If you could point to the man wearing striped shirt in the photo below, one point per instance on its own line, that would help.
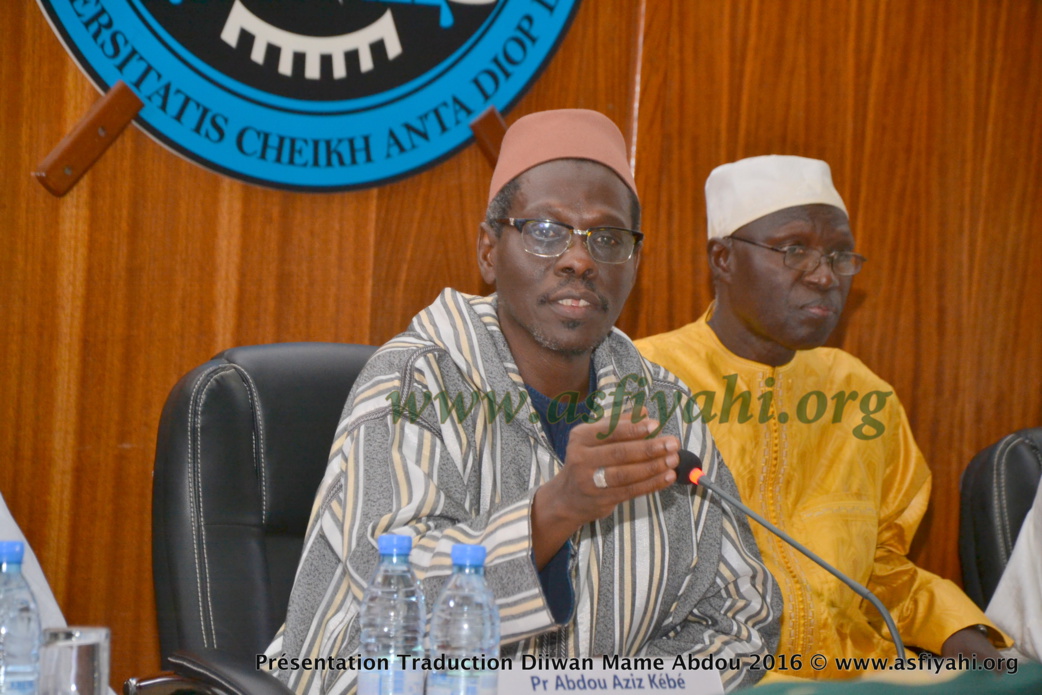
(496, 420)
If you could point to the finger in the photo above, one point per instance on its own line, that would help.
(608, 430)
(637, 451)
(635, 473)
(610, 420)
(645, 487)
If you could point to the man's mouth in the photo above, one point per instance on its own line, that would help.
(820, 310)
(576, 304)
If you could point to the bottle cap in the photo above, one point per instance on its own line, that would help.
(12, 551)
(468, 555)
(394, 544)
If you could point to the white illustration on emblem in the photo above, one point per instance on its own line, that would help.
(313, 47)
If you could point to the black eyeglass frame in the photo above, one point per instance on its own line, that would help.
(831, 257)
(519, 223)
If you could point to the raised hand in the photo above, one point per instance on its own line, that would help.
(603, 467)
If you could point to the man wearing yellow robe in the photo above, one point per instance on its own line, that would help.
(817, 443)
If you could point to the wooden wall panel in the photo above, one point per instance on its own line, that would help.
(928, 111)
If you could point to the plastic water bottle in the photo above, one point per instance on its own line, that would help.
(392, 617)
(465, 629)
(19, 625)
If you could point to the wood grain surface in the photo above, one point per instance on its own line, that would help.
(930, 113)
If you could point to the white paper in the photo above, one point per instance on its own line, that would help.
(600, 681)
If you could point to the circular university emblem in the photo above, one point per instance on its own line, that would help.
(314, 95)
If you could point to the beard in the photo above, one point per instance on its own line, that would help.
(561, 347)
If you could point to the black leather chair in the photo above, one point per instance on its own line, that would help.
(997, 489)
(243, 443)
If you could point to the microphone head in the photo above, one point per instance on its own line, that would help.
(689, 469)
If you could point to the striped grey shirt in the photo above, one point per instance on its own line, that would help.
(438, 441)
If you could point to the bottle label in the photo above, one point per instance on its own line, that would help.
(390, 682)
(462, 683)
(22, 686)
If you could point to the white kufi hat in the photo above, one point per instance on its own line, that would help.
(746, 190)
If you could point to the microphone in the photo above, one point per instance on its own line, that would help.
(690, 471)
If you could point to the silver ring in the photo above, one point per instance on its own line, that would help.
(598, 478)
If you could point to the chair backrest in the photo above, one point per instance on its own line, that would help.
(997, 489)
(243, 444)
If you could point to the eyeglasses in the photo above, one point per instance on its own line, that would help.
(549, 239)
(806, 259)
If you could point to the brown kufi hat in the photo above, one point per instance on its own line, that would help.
(561, 134)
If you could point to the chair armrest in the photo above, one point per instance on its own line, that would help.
(209, 672)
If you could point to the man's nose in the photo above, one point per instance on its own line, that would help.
(576, 259)
(823, 276)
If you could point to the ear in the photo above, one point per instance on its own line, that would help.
(721, 260)
(487, 242)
